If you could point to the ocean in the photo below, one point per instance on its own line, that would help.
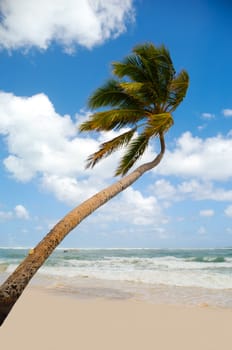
(173, 276)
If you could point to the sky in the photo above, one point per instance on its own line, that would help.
(53, 55)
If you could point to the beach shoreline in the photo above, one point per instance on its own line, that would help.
(45, 319)
(160, 276)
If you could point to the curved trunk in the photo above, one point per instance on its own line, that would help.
(13, 287)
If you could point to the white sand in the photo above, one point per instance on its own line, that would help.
(43, 321)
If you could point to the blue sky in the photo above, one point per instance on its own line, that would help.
(52, 56)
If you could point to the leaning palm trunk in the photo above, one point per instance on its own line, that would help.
(13, 287)
(143, 103)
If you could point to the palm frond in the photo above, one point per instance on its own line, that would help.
(135, 150)
(144, 92)
(110, 94)
(112, 119)
(158, 123)
(113, 94)
(151, 66)
(177, 90)
(131, 87)
(155, 57)
(130, 67)
(109, 147)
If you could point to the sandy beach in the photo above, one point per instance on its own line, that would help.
(43, 320)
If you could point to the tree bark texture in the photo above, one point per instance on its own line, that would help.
(15, 284)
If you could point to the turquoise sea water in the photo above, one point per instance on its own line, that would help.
(190, 276)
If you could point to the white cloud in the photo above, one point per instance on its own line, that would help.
(228, 211)
(207, 212)
(39, 140)
(203, 190)
(208, 116)
(139, 209)
(192, 189)
(132, 207)
(227, 112)
(21, 212)
(28, 23)
(69, 189)
(208, 159)
(5, 215)
(164, 190)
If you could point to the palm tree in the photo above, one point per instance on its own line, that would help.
(141, 98)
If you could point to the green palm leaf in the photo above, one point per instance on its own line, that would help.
(113, 119)
(159, 123)
(135, 151)
(111, 94)
(131, 67)
(177, 90)
(111, 146)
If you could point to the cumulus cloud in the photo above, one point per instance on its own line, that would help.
(33, 23)
(203, 190)
(138, 208)
(21, 212)
(165, 192)
(70, 190)
(192, 189)
(39, 140)
(163, 189)
(133, 207)
(207, 212)
(208, 159)
(227, 112)
(208, 116)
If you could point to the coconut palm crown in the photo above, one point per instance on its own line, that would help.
(141, 98)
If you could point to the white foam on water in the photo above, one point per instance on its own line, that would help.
(169, 271)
